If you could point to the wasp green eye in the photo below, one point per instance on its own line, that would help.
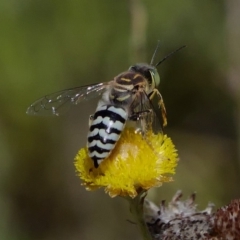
(155, 77)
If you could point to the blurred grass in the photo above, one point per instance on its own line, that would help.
(46, 46)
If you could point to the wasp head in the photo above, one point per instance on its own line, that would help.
(149, 72)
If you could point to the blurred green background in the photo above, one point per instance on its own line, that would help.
(46, 46)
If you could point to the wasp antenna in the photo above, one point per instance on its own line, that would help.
(170, 54)
(154, 54)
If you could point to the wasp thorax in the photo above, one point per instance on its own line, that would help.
(126, 86)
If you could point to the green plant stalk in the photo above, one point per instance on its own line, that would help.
(136, 208)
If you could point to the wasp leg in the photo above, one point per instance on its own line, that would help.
(160, 104)
(143, 121)
(90, 120)
(137, 115)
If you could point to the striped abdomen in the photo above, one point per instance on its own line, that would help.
(105, 130)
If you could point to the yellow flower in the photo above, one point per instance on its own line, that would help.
(137, 163)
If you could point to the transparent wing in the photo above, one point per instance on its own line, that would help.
(145, 115)
(57, 103)
(148, 120)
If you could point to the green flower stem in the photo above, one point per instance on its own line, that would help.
(136, 208)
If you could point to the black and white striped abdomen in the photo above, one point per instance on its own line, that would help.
(105, 130)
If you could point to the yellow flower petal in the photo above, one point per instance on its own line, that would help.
(136, 163)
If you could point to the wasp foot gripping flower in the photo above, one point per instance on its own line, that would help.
(137, 163)
(180, 220)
